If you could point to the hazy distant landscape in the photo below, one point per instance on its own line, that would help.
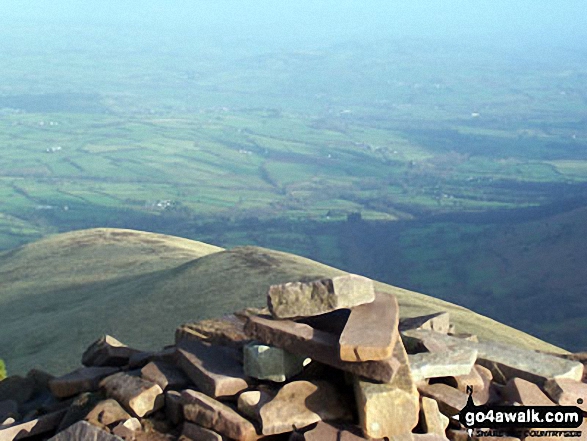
(455, 169)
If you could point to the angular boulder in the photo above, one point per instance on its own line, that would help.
(213, 369)
(107, 351)
(450, 400)
(432, 420)
(301, 403)
(107, 412)
(304, 299)
(85, 379)
(265, 362)
(211, 414)
(455, 361)
(250, 403)
(518, 390)
(388, 409)
(127, 429)
(567, 392)
(139, 397)
(164, 374)
(302, 339)
(371, 330)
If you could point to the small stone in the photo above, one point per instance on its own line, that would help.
(371, 330)
(107, 351)
(7, 422)
(392, 409)
(455, 361)
(439, 322)
(567, 392)
(37, 426)
(450, 400)
(138, 396)
(213, 369)
(250, 403)
(107, 412)
(126, 429)
(301, 339)
(304, 299)
(86, 379)
(212, 414)
(173, 407)
(432, 420)
(270, 363)
(301, 403)
(198, 433)
(165, 375)
(84, 431)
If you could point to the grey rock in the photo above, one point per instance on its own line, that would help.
(304, 299)
(455, 361)
(506, 362)
(270, 363)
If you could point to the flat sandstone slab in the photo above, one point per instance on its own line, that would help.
(213, 369)
(301, 403)
(506, 362)
(371, 330)
(212, 414)
(305, 299)
(86, 379)
(454, 361)
(302, 339)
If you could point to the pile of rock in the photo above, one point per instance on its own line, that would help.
(328, 360)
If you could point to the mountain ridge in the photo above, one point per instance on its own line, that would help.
(160, 282)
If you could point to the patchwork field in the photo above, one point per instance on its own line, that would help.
(417, 164)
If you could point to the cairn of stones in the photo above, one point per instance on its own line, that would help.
(327, 360)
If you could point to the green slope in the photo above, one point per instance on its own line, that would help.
(59, 294)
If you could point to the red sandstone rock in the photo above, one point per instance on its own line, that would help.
(302, 339)
(86, 379)
(371, 330)
(212, 414)
(212, 369)
(138, 396)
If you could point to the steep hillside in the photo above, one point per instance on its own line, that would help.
(60, 293)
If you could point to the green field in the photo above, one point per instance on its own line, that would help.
(349, 154)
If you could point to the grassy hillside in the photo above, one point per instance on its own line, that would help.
(59, 294)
